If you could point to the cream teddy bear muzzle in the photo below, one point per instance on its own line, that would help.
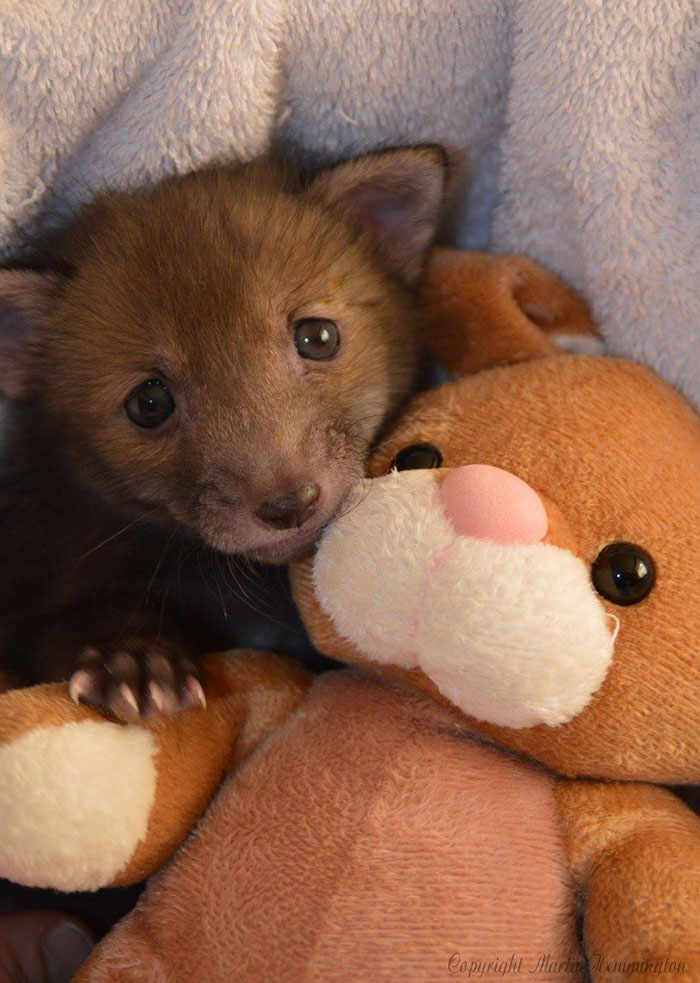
(508, 627)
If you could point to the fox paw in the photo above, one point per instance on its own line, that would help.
(138, 681)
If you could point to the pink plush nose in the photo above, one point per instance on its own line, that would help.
(489, 503)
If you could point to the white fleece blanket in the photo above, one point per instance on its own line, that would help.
(579, 122)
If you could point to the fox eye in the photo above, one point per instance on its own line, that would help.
(416, 457)
(316, 338)
(150, 404)
(623, 573)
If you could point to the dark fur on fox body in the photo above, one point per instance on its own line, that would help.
(117, 543)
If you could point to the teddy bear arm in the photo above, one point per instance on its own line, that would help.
(250, 693)
(86, 802)
(634, 852)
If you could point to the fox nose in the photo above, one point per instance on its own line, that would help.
(292, 509)
(493, 504)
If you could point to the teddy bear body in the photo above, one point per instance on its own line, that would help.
(375, 839)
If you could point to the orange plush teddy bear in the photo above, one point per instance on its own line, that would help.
(517, 583)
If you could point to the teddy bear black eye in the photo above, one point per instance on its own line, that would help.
(150, 404)
(623, 573)
(416, 457)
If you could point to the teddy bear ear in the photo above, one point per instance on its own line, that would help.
(487, 310)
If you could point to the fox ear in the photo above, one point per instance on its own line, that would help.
(24, 300)
(395, 197)
(488, 310)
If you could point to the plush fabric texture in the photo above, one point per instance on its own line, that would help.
(486, 310)
(87, 803)
(80, 840)
(573, 126)
(637, 849)
(370, 838)
(511, 633)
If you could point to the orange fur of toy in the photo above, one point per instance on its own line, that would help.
(497, 310)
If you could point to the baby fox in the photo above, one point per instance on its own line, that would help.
(198, 372)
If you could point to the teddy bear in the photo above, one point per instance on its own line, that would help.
(479, 793)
